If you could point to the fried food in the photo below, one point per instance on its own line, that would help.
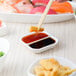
(51, 67)
(51, 63)
(35, 29)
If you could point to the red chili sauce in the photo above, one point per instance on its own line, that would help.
(33, 37)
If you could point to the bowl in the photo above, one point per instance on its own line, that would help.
(4, 47)
(63, 61)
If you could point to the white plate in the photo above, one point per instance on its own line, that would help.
(62, 61)
(33, 18)
(4, 46)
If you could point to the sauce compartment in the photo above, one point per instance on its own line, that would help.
(39, 42)
(33, 37)
(42, 43)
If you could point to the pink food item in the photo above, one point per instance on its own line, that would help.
(0, 23)
(23, 7)
(40, 2)
(6, 8)
(40, 10)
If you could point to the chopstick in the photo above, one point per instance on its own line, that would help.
(44, 14)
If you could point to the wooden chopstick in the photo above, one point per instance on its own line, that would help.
(44, 14)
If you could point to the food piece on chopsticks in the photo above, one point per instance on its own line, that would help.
(45, 11)
(23, 7)
(6, 8)
(40, 10)
(64, 7)
(40, 2)
(51, 67)
(35, 29)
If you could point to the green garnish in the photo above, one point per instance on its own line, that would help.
(1, 53)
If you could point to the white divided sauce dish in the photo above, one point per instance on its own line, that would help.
(3, 29)
(4, 47)
(62, 61)
(41, 49)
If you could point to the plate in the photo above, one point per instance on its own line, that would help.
(61, 60)
(34, 18)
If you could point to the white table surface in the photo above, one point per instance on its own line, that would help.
(19, 58)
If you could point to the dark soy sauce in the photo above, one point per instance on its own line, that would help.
(42, 43)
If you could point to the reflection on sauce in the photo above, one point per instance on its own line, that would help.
(42, 43)
(33, 37)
